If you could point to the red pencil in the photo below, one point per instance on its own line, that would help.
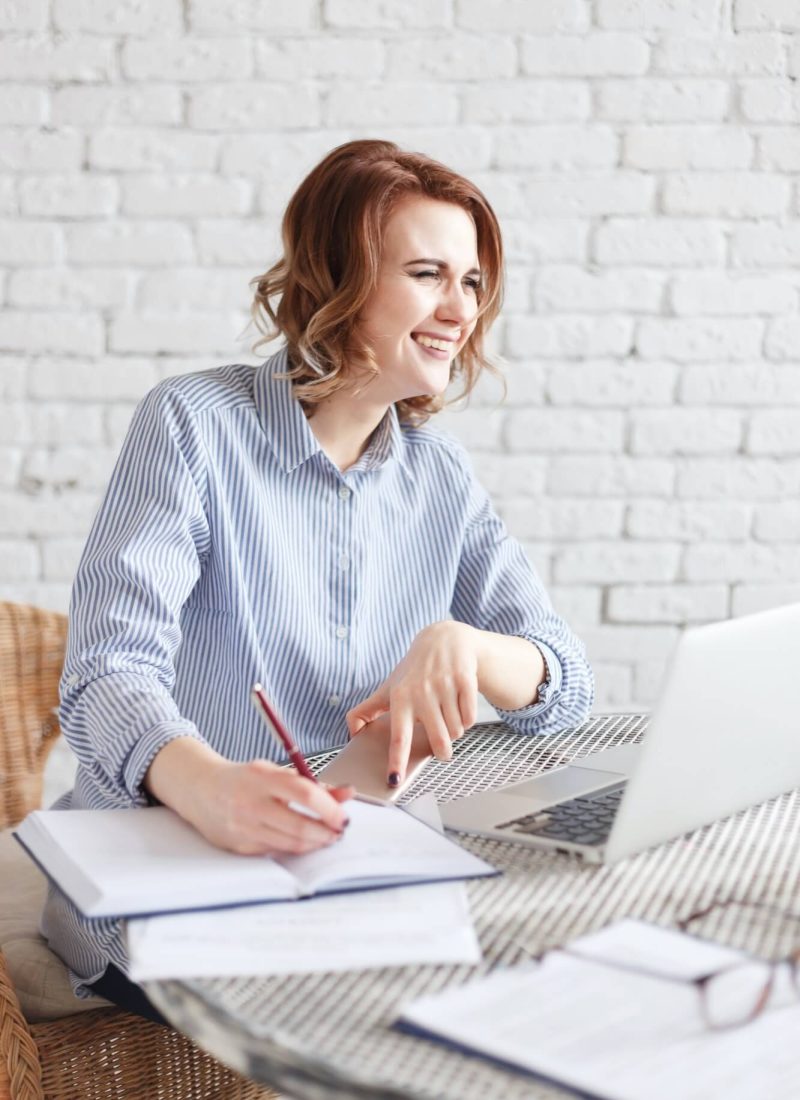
(264, 708)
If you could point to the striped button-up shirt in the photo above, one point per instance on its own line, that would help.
(230, 549)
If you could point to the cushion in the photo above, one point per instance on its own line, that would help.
(40, 978)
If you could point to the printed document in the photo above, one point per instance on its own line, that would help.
(618, 1033)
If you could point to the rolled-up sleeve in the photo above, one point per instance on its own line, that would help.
(141, 561)
(497, 589)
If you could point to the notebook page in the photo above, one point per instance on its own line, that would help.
(382, 844)
(637, 944)
(145, 861)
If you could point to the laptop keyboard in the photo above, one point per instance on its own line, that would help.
(584, 820)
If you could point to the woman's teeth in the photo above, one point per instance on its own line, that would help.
(429, 342)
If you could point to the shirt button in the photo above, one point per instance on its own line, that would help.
(345, 493)
(341, 631)
(334, 700)
(344, 561)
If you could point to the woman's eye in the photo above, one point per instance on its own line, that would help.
(471, 284)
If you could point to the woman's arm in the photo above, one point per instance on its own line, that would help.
(142, 560)
(497, 590)
(506, 642)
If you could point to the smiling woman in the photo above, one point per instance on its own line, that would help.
(301, 525)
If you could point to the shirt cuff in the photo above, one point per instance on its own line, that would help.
(548, 690)
(145, 750)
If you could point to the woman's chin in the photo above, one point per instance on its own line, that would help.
(432, 381)
(435, 381)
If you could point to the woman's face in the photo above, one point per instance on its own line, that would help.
(424, 307)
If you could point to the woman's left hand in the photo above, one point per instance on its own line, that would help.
(435, 684)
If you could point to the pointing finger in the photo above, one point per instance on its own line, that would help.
(402, 719)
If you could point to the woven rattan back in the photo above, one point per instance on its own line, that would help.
(32, 645)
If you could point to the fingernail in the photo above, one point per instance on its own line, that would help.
(346, 822)
(394, 779)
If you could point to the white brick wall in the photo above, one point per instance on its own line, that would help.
(643, 156)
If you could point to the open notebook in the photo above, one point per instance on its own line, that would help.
(117, 863)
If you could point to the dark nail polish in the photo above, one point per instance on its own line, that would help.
(346, 822)
(394, 779)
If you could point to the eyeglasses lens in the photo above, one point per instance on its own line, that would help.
(734, 996)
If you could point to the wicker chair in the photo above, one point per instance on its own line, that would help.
(102, 1054)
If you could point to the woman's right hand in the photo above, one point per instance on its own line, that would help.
(256, 808)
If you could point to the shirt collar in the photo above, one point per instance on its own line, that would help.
(289, 434)
(282, 417)
(386, 444)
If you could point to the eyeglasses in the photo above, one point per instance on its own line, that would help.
(736, 994)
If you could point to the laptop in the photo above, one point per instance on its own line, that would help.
(725, 734)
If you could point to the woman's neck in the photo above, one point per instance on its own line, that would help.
(343, 424)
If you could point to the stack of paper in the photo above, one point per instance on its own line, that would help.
(423, 924)
(397, 927)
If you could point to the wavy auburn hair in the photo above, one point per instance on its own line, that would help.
(332, 244)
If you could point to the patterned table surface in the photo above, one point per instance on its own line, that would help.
(330, 1035)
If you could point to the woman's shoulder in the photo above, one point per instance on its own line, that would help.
(436, 449)
(203, 391)
(435, 442)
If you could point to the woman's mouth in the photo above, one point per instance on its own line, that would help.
(437, 349)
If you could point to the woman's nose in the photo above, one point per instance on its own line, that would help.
(457, 304)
